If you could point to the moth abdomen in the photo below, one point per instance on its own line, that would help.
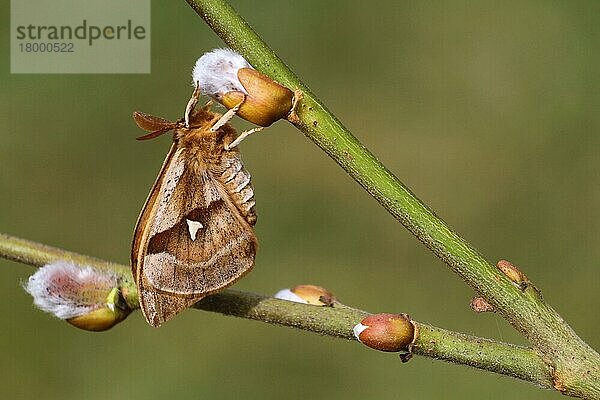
(237, 182)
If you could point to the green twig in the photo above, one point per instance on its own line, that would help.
(576, 367)
(337, 321)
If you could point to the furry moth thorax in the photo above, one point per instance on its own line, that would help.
(203, 147)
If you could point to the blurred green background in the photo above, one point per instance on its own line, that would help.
(489, 111)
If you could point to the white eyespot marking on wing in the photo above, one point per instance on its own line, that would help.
(193, 227)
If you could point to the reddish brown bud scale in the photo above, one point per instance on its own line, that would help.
(386, 332)
(308, 294)
(513, 273)
(315, 295)
(479, 304)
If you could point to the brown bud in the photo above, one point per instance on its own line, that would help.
(513, 273)
(479, 304)
(308, 294)
(315, 295)
(266, 102)
(386, 332)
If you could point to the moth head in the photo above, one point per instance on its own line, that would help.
(204, 117)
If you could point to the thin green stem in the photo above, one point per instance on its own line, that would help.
(576, 366)
(441, 344)
(337, 321)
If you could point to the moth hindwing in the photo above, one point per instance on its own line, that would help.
(194, 235)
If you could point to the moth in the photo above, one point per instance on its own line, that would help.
(194, 235)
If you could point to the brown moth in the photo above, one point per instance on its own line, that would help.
(194, 235)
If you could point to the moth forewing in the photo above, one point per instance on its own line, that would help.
(142, 225)
(155, 307)
(194, 234)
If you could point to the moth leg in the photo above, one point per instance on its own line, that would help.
(226, 117)
(242, 136)
(192, 102)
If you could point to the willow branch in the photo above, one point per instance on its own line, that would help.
(338, 321)
(576, 366)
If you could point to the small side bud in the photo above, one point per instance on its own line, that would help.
(307, 294)
(479, 304)
(86, 297)
(315, 295)
(227, 77)
(386, 332)
(513, 273)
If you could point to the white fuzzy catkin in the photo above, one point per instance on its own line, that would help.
(68, 290)
(287, 294)
(216, 72)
